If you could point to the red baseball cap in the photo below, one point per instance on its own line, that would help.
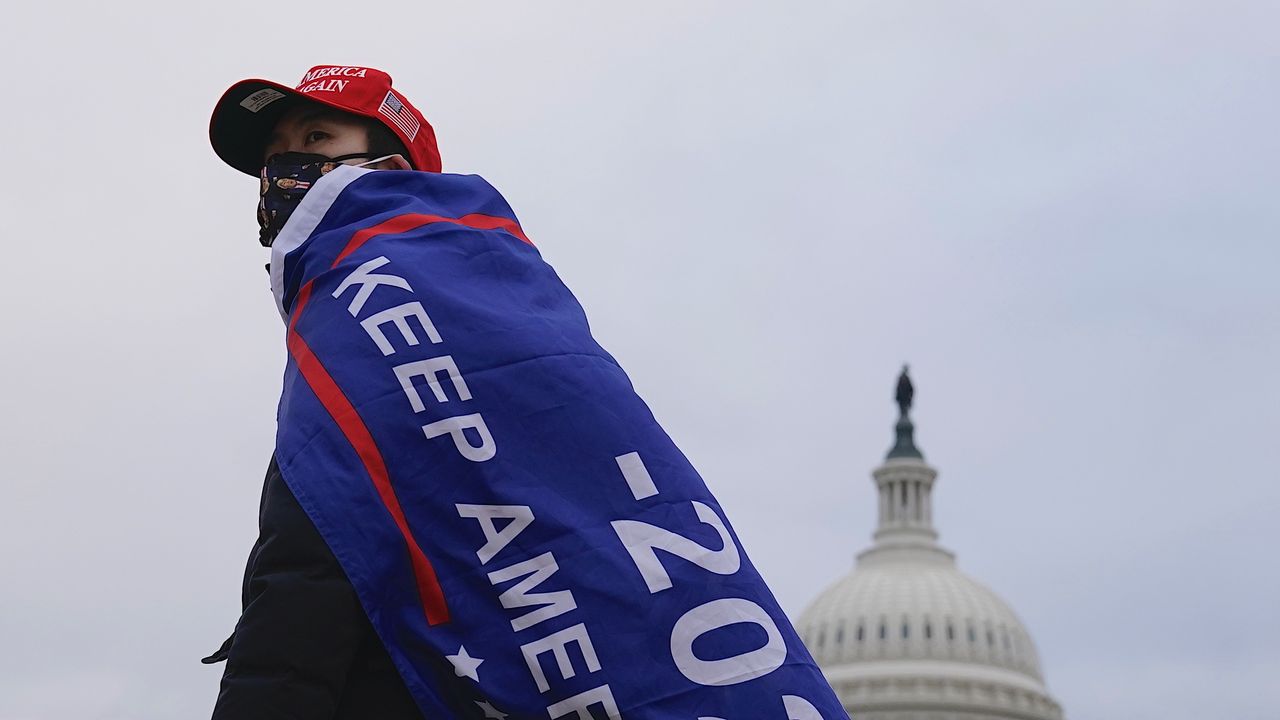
(247, 113)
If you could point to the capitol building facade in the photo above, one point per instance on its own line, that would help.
(906, 635)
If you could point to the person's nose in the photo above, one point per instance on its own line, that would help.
(284, 145)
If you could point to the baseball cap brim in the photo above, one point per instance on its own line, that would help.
(244, 118)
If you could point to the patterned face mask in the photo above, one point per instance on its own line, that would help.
(285, 179)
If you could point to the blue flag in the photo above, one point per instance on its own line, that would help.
(525, 538)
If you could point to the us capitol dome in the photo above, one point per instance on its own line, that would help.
(906, 635)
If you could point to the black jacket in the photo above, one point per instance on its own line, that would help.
(303, 649)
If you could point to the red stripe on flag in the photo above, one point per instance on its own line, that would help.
(409, 221)
(353, 427)
(402, 119)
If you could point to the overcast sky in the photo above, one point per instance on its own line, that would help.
(1064, 217)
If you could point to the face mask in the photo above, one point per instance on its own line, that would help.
(285, 178)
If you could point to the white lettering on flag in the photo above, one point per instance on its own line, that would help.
(364, 277)
(580, 705)
(731, 670)
(557, 644)
(520, 516)
(430, 370)
(636, 475)
(643, 540)
(398, 315)
(800, 709)
(456, 427)
(537, 569)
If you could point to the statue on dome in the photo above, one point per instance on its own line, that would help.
(905, 392)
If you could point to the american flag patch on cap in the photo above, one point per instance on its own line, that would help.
(396, 112)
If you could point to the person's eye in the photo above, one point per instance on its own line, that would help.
(316, 136)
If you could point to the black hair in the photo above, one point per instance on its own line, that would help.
(384, 142)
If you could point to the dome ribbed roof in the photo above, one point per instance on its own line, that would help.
(924, 610)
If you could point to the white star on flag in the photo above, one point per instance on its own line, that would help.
(490, 711)
(464, 665)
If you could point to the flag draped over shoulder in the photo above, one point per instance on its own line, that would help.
(525, 538)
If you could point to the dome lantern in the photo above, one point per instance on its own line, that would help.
(905, 486)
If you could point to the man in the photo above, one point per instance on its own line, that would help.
(304, 647)
(465, 508)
